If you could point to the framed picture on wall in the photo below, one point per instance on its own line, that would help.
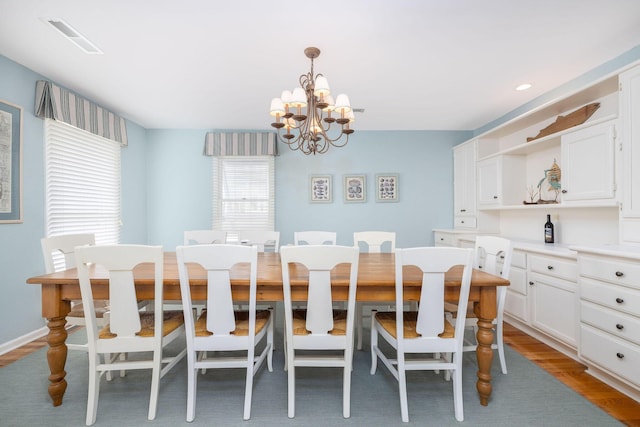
(10, 163)
(320, 189)
(354, 188)
(387, 187)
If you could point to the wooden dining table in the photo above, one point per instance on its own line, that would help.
(376, 282)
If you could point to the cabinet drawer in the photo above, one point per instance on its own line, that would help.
(465, 222)
(561, 268)
(616, 323)
(610, 353)
(612, 296)
(612, 270)
(443, 239)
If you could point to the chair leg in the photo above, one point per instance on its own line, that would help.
(500, 339)
(94, 392)
(291, 392)
(192, 382)
(402, 389)
(374, 343)
(248, 389)
(270, 343)
(457, 390)
(155, 384)
(346, 386)
(359, 315)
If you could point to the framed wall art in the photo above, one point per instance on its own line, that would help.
(387, 187)
(320, 189)
(355, 188)
(10, 163)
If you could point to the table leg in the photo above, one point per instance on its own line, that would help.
(484, 354)
(57, 357)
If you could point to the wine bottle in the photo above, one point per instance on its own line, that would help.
(548, 231)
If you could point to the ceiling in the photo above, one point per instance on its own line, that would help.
(410, 64)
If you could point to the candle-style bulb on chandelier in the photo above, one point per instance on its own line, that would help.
(307, 115)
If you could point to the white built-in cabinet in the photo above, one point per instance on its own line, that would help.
(630, 135)
(464, 185)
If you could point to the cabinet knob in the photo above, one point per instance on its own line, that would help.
(619, 300)
(620, 326)
(531, 283)
(442, 239)
(620, 355)
(619, 274)
(461, 222)
(463, 210)
(549, 267)
(495, 197)
(564, 191)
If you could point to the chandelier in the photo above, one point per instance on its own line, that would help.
(307, 114)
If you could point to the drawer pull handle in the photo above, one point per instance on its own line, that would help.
(531, 283)
(620, 355)
(620, 326)
(463, 210)
(619, 300)
(564, 191)
(549, 267)
(619, 274)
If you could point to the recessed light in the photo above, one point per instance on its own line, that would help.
(72, 35)
(523, 86)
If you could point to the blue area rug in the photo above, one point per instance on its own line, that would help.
(527, 396)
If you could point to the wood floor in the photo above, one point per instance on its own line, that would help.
(565, 369)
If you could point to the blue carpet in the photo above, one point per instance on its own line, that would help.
(526, 396)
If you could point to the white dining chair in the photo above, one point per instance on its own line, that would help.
(492, 254)
(219, 328)
(310, 333)
(204, 237)
(371, 242)
(266, 241)
(129, 330)
(424, 339)
(314, 238)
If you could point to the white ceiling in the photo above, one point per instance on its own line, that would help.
(411, 64)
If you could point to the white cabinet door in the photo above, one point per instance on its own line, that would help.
(554, 308)
(489, 188)
(464, 179)
(588, 164)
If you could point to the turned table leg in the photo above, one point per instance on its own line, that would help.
(57, 357)
(484, 354)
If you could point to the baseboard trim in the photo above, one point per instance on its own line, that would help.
(24, 339)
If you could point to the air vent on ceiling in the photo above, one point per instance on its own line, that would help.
(71, 34)
(358, 110)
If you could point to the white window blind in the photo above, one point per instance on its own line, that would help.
(244, 194)
(82, 183)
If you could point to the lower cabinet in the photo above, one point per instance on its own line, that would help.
(610, 315)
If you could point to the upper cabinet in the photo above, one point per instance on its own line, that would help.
(464, 180)
(630, 135)
(537, 162)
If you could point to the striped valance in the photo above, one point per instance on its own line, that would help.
(54, 102)
(240, 144)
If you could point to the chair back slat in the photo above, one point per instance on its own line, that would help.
(220, 316)
(125, 319)
(430, 321)
(320, 305)
(266, 241)
(205, 237)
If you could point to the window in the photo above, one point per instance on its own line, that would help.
(243, 194)
(82, 183)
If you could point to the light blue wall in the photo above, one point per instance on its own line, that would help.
(20, 253)
(179, 194)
